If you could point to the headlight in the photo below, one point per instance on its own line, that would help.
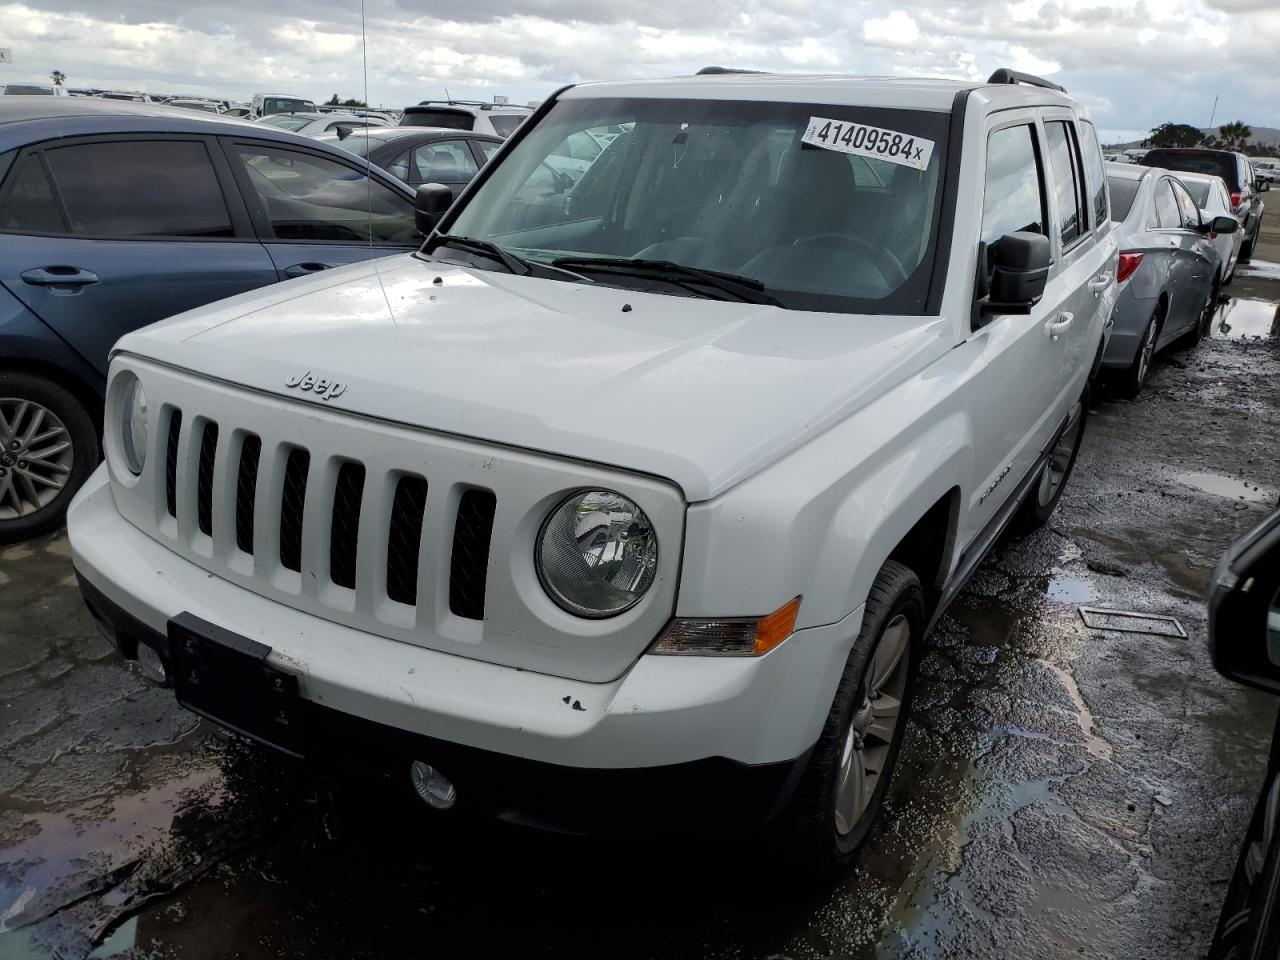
(597, 554)
(133, 434)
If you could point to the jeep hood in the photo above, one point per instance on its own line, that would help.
(701, 392)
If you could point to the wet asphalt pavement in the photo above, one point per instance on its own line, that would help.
(1064, 791)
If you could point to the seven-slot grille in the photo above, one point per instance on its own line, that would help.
(345, 510)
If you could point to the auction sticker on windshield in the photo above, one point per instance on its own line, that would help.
(867, 141)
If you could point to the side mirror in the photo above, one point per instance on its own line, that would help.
(429, 205)
(1019, 269)
(1244, 608)
(342, 130)
(1220, 225)
(1262, 185)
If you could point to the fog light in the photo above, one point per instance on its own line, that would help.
(152, 665)
(431, 786)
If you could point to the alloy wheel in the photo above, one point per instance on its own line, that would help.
(1148, 350)
(36, 457)
(874, 726)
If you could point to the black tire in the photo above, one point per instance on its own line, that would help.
(1130, 381)
(1205, 322)
(34, 518)
(1246, 248)
(810, 841)
(1042, 499)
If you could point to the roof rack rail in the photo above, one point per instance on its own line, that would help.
(482, 104)
(717, 71)
(1005, 75)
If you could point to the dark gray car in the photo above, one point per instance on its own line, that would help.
(1236, 171)
(1169, 272)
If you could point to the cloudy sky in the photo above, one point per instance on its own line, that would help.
(1135, 62)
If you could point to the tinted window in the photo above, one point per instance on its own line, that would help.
(444, 161)
(29, 205)
(1216, 164)
(1168, 216)
(1013, 199)
(140, 189)
(399, 167)
(504, 125)
(426, 117)
(1123, 190)
(1066, 180)
(1094, 172)
(315, 198)
(487, 149)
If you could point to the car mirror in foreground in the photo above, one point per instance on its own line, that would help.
(1244, 608)
(429, 205)
(1018, 267)
(1220, 225)
(1263, 186)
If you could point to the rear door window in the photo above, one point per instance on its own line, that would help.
(1064, 161)
(27, 203)
(449, 119)
(1168, 216)
(1095, 174)
(140, 188)
(1123, 190)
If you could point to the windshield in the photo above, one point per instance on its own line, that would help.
(287, 105)
(1123, 190)
(744, 188)
(1214, 164)
(452, 119)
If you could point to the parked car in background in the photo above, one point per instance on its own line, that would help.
(208, 106)
(128, 96)
(641, 516)
(311, 124)
(115, 215)
(236, 111)
(419, 155)
(499, 119)
(1135, 154)
(1236, 171)
(1214, 200)
(33, 90)
(265, 104)
(1169, 273)
(1115, 158)
(1244, 640)
(1266, 168)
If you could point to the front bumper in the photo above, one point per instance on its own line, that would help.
(703, 734)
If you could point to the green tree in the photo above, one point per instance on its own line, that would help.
(332, 101)
(1175, 135)
(58, 78)
(1235, 135)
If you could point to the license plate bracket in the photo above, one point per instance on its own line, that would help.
(226, 677)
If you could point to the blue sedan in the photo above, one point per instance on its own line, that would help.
(114, 215)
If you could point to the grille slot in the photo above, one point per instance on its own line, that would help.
(171, 463)
(246, 489)
(292, 499)
(404, 539)
(344, 532)
(469, 567)
(204, 478)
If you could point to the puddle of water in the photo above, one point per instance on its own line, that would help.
(1228, 487)
(1242, 317)
(1069, 589)
(1096, 745)
(1261, 269)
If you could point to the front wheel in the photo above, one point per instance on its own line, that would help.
(1131, 380)
(1042, 499)
(843, 786)
(48, 448)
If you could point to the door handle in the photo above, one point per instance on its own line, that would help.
(58, 277)
(304, 269)
(1058, 325)
(1100, 283)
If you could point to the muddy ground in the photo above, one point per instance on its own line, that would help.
(1064, 791)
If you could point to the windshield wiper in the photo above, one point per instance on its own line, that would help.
(485, 248)
(744, 289)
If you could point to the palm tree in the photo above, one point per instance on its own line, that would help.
(58, 78)
(1235, 134)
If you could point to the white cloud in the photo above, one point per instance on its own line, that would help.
(897, 29)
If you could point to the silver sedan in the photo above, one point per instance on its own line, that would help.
(1169, 273)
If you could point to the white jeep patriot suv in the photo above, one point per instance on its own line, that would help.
(632, 500)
